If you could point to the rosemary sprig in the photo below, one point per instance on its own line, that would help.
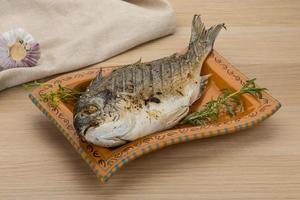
(63, 94)
(228, 101)
(36, 83)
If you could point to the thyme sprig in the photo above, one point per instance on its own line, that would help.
(227, 102)
(36, 83)
(63, 94)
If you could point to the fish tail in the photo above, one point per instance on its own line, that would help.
(202, 37)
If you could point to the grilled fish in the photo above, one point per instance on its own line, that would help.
(138, 99)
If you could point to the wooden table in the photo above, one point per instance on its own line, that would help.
(37, 162)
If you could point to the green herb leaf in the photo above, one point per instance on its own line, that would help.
(229, 101)
(63, 93)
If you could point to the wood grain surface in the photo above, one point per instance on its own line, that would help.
(263, 41)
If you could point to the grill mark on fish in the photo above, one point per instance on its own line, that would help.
(143, 78)
(123, 81)
(181, 69)
(177, 71)
(134, 70)
(161, 76)
(151, 77)
(113, 84)
(172, 73)
(171, 70)
(127, 81)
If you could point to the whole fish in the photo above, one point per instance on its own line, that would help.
(138, 99)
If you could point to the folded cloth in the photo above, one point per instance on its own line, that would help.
(73, 33)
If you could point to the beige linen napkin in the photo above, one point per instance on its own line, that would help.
(76, 33)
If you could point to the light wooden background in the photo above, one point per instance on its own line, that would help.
(263, 39)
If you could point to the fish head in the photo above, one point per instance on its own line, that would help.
(101, 122)
(91, 111)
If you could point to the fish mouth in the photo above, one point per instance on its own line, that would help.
(110, 134)
(96, 137)
(85, 130)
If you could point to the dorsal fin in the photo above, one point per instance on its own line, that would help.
(98, 79)
(137, 62)
(99, 76)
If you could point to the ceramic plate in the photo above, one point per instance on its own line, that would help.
(105, 162)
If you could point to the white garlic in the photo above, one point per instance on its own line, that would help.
(18, 49)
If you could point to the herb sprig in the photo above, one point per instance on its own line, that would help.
(53, 97)
(36, 83)
(227, 102)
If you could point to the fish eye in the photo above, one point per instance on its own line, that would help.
(91, 109)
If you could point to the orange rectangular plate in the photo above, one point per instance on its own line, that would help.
(105, 162)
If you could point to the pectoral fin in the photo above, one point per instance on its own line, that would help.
(203, 83)
(175, 116)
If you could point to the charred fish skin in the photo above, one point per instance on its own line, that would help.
(142, 98)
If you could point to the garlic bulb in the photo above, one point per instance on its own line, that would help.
(18, 49)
